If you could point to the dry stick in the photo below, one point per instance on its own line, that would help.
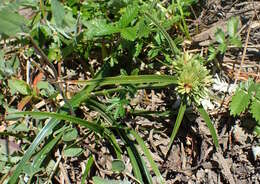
(45, 61)
(226, 169)
(244, 51)
(54, 170)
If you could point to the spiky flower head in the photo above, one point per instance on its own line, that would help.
(193, 78)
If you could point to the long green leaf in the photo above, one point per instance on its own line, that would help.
(87, 169)
(74, 102)
(148, 155)
(94, 127)
(40, 136)
(93, 104)
(173, 46)
(41, 156)
(210, 125)
(138, 165)
(133, 154)
(139, 79)
(11, 22)
(58, 12)
(177, 124)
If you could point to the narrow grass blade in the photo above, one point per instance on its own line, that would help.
(173, 47)
(74, 102)
(40, 136)
(185, 27)
(135, 79)
(139, 167)
(148, 155)
(87, 169)
(93, 104)
(210, 125)
(94, 127)
(177, 124)
(40, 156)
(132, 153)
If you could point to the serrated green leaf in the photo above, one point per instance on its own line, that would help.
(11, 22)
(255, 110)
(99, 27)
(129, 33)
(129, 15)
(257, 130)
(232, 26)
(58, 12)
(17, 85)
(222, 48)
(73, 151)
(240, 101)
(236, 41)
(220, 36)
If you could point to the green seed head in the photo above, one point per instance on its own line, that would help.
(193, 78)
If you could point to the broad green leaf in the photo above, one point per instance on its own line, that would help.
(118, 165)
(220, 36)
(99, 180)
(232, 26)
(255, 110)
(240, 101)
(17, 85)
(99, 27)
(210, 125)
(70, 134)
(129, 15)
(58, 12)
(177, 124)
(11, 22)
(46, 89)
(73, 151)
(129, 33)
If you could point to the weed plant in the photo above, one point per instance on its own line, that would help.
(124, 35)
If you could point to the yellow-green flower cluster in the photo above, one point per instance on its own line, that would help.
(193, 78)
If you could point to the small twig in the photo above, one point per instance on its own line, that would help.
(65, 174)
(45, 61)
(226, 169)
(54, 169)
(244, 51)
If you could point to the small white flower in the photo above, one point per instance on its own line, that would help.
(222, 86)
